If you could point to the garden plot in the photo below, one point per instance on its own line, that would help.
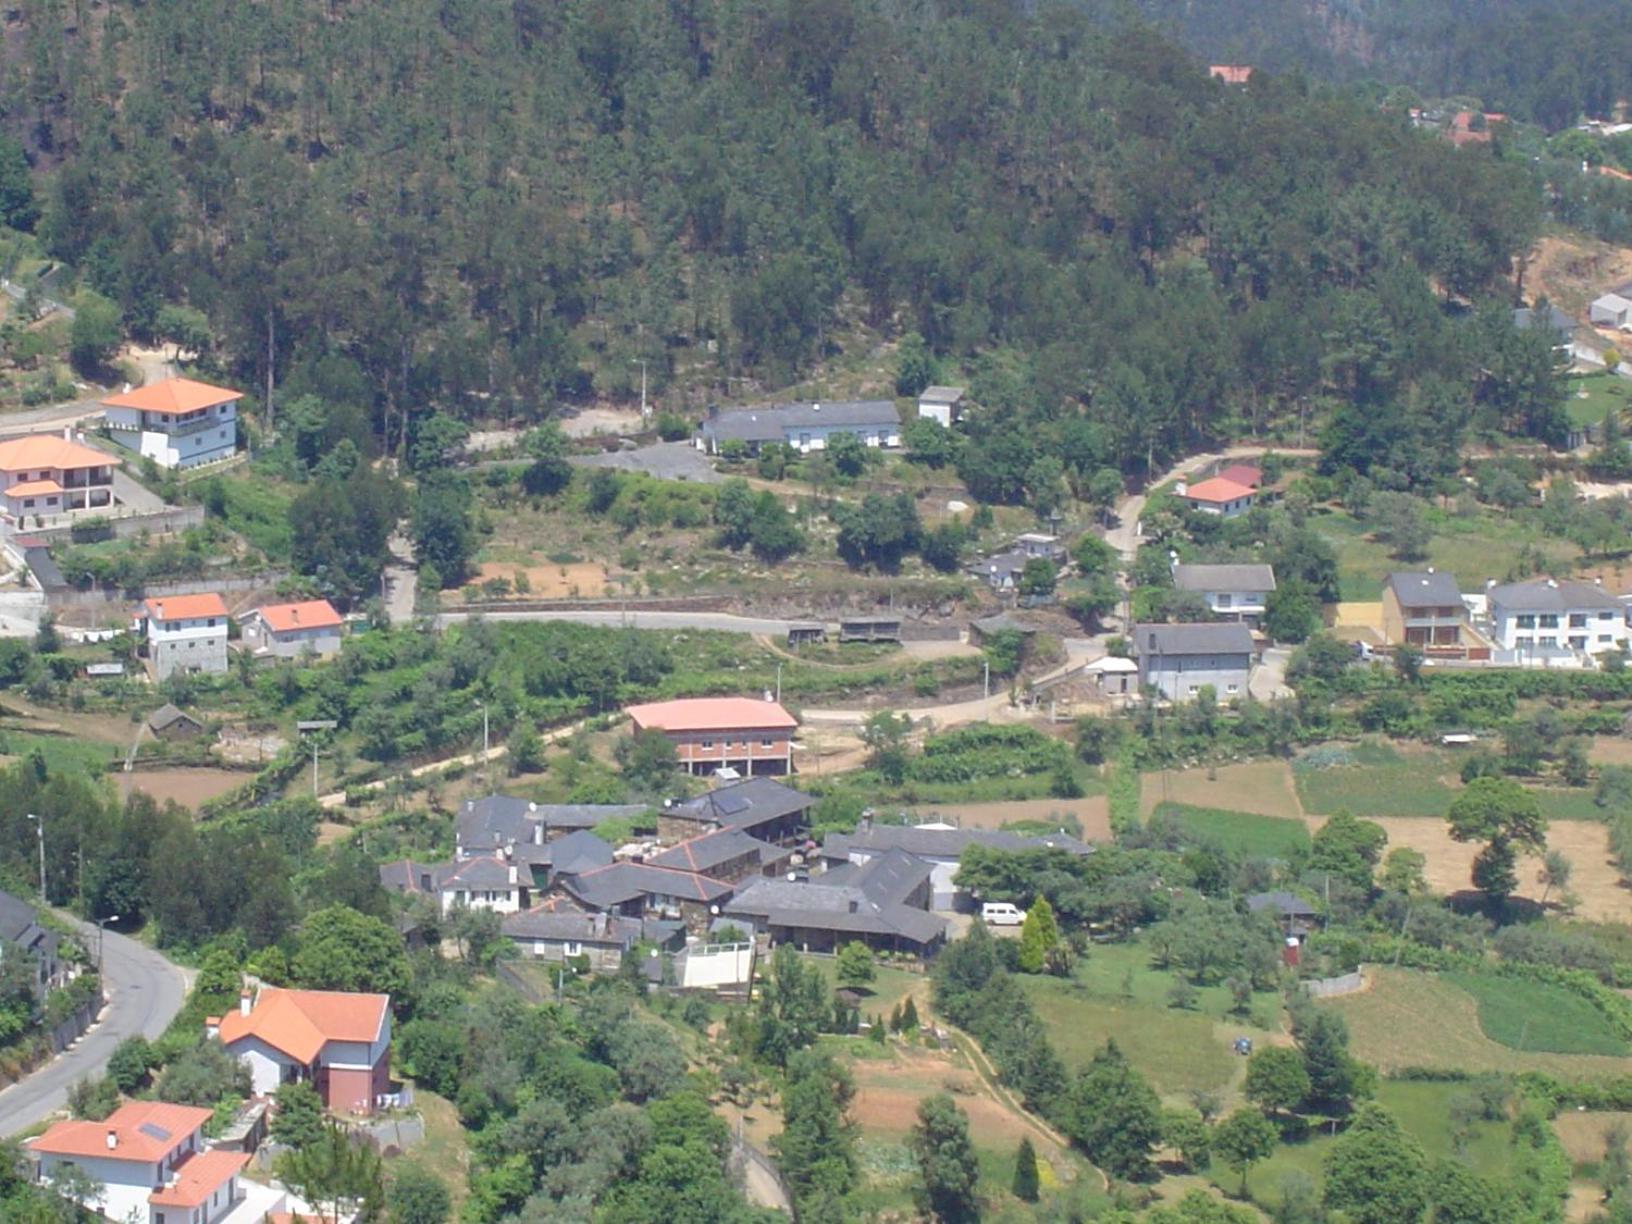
(1264, 788)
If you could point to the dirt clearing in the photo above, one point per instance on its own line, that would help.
(1093, 814)
(188, 787)
(577, 579)
(1262, 788)
(1571, 271)
(1610, 750)
(1583, 1134)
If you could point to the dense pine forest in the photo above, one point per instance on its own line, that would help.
(491, 207)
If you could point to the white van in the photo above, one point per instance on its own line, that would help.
(1001, 913)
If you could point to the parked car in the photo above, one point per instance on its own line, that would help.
(1001, 913)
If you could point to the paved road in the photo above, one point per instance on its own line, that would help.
(145, 992)
(665, 460)
(723, 622)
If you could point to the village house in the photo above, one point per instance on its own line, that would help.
(725, 854)
(1612, 311)
(290, 630)
(496, 883)
(1231, 592)
(1001, 571)
(23, 933)
(185, 633)
(560, 930)
(883, 903)
(339, 1041)
(712, 733)
(1547, 615)
(804, 427)
(643, 890)
(45, 475)
(1217, 495)
(151, 1165)
(1294, 915)
(762, 808)
(941, 846)
(1178, 661)
(169, 723)
(1425, 609)
(942, 404)
(177, 423)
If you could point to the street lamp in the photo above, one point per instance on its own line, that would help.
(100, 936)
(39, 829)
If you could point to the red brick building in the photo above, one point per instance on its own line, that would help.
(708, 733)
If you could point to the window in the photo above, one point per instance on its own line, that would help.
(765, 741)
(1230, 688)
(1604, 616)
(708, 743)
(1194, 690)
(1526, 620)
(1578, 643)
(1606, 637)
(1523, 643)
(1578, 620)
(1550, 640)
(574, 948)
(1223, 599)
(28, 503)
(1549, 620)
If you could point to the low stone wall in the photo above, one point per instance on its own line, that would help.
(96, 596)
(155, 522)
(1326, 988)
(73, 1028)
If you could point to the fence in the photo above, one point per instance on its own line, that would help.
(1326, 988)
(761, 1178)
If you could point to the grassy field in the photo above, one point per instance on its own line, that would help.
(1378, 780)
(1535, 1017)
(1560, 803)
(445, 1151)
(1261, 787)
(1406, 1018)
(1474, 548)
(1242, 832)
(1593, 395)
(1423, 1110)
(1116, 994)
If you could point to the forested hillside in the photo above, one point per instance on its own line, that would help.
(489, 206)
(1543, 61)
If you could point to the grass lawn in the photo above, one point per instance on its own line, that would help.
(1245, 834)
(1537, 1017)
(890, 987)
(445, 1151)
(1593, 395)
(1567, 803)
(1474, 548)
(1378, 780)
(1423, 1110)
(1116, 994)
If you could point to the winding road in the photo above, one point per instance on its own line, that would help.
(145, 991)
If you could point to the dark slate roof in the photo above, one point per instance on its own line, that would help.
(489, 873)
(585, 815)
(768, 423)
(712, 849)
(407, 876)
(20, 925)
(1422, 588)
(743, 805)
(576, 852)
(824, 907)
(1229, 578)
(491, 821)
(168, 715)
(578, 926)
(1551, 595)
(1002, 563)
(1196, 639)
(942, 843)
(890, 878)
(621, 882)
(1287, 904)
(1526, 317)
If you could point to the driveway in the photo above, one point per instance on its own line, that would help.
(131, 492)
(145, 992)
(1268, 681)
(665, 460)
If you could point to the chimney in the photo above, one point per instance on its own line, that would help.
(512, 873)
(113, 1139)
(1180, 489)
(158, 609)
(245, 1002)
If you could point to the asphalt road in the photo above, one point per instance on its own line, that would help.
(145, 992)
(722, 621)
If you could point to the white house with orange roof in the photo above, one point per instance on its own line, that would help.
(338, 1040)
(710, 733)
(290, 630)
(46, 474)
(175, 423)
(185, 633)
(151, 1163)
(1219, 495)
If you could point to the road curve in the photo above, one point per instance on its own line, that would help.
(145, 991)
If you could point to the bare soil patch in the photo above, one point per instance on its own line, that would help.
(1582, 1133)
(591, 421)
(1610, 750)
(1092, 813)
(577, 579)
(1571, 272)
(1263, 788)
(888, 1092)
(330, 831)
(1604, 898)
(189, 787)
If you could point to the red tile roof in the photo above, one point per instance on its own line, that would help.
(301, 1022)
(198, 1178)
(173, 395)
(184, 607)
(310, 614)
(49, 451)
(1248, 474)
(711, 714)
(1216, 491)
(1230, 74)
(33, 488)
(145, 1131)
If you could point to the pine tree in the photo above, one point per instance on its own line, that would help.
(895, 1019)
(1038, 936)
(1025, 1172)
(909, 1016)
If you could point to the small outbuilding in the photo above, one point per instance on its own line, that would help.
(1612, 310)
(870, 629)
(941, 404)
(169, 723)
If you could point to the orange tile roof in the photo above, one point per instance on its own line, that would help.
(1230, 74)
(49, 451)
(1217, 490)
(199, 1177)
(184, 607)
(301, 1022)
(311, 614)
(173, 395)
(1248, 474)
(711, 714)
(132, 1142)
(33, 488)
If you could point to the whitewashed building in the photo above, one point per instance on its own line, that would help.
(176, 423)
(185, 633)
